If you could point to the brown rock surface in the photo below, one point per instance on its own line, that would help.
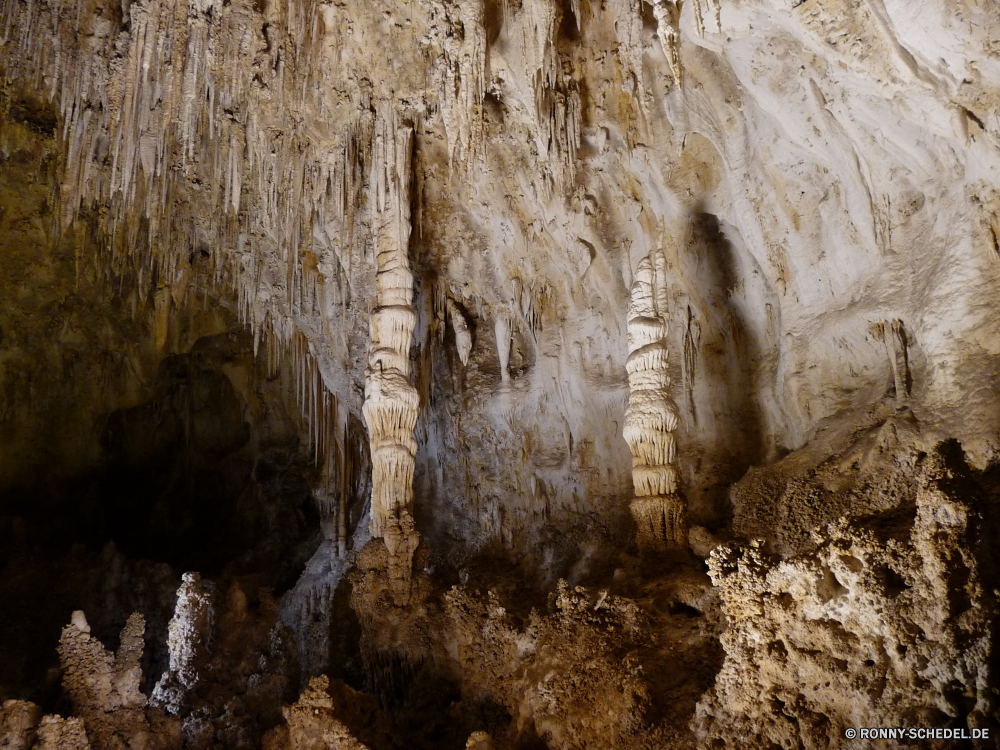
(337, 385)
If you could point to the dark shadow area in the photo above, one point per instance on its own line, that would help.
(569, 24)
(735, 352)
(191, 482)
(206, 475)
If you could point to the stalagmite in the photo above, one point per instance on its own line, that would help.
(651, 416)
(189, 637)
(391, 402)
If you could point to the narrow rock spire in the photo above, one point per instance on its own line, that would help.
(651, 416)
(391, 402)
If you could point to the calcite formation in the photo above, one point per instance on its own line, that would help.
(758, 239)
(189, 637)
(312, 723)
(463, 336)
(884, 626)
(391, 402)
(651, 416)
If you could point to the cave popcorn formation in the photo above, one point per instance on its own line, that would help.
(651, 416)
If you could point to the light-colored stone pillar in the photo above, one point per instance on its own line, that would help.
(391, 402)
(651, 416)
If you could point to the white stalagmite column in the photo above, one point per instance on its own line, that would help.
(651, 416)
(391, 402)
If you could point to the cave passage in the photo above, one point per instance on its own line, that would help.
(206, 474)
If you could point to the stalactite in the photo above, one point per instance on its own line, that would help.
(461, 79)
(463, 336)
(501, 326)
(627, 15)
(667, 16)
(651, 416)
(391, 403)
(156, 107)
(700, 6)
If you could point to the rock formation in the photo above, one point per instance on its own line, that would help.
(312, 723)
(391, 402)
(651, 417)
(463, 337)
(189, 637)
(758, 240)
(875, 627)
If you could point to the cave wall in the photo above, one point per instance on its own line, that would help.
(821, 178)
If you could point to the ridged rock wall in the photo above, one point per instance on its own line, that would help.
(822, 175)
(818, 180)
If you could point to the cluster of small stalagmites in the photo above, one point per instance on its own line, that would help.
(651, 416)
(391, 403)
(104, 687)
(189, 636)
(863, 631)
(312, 723)
(22, 726)
(557, 669)
(57, 733)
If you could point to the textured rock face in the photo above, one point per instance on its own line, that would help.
(881, 625)
(189, 637)
(805, 168)
(518, 265)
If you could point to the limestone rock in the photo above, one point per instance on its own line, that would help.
(57, 733)
(873, 628)
(190, 636)
(18, 724)
(104, 687)
(651, 417)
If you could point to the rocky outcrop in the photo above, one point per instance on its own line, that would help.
(18, 724)
(57, 733)
(888, 622)
(312, 723)
(105, 687)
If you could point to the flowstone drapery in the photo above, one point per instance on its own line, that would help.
(651, 416)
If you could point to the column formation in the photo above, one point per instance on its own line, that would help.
(651, 416)
(391, 402)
